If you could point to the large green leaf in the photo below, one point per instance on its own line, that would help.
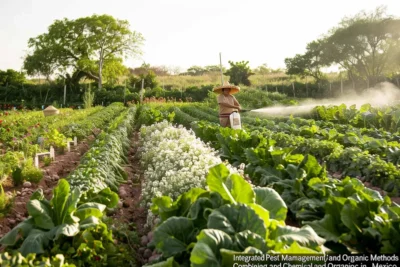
(352, 216)
(35, 242)
(326, 228)
(297, 249)
(90, 221)
(249, 239)
(206, 252)
(174, 236)
(233, 219)
(186, 200)
(90, 209)
(38, 194)
(334, 206)
(268, 174)
(105, 196)
(311, 166)
(216, 179)
(305, 236)
(271, 201)
(240, 189)
(64, 202)
(165, 207)
(232, 188)
(198, 212)
(21, 230)
(65, 229)
(295, 172)
(59, 201)
(262, 213)
(41, 213)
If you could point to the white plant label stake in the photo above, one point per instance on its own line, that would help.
(50, 153)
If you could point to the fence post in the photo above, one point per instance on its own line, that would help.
(294, 91)
(306, 87)
(341, 84)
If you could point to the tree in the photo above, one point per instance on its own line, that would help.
(149, 80)
(263, 69)
(11, 77)
(213, 68)
(196, 71)
(308, 64)
(365, 45)
(174, 70)
(144, 68)
(239, 73)
(83, 47)
(113, 70)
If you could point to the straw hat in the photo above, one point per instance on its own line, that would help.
(234, 89)
(50, 110)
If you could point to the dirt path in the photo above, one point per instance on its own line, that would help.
(60, 168)
(130, 213)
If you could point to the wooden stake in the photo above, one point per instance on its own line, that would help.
(294, 91)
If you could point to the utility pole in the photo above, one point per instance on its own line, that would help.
(220, 65)
(294, 90)
(306, 87)
(341, 84)
(65, 92)
(124, 92)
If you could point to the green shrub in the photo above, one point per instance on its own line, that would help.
(32, 174)
(17, 176)
(5, 202)
(47, 160)
(29, 172)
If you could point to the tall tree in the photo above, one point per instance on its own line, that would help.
(308, 64)
(196, 71)
(365, 45)
(263, 69)
(239, 73)
(11, 77)
(86, 46)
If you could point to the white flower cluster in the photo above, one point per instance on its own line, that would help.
(174, 161)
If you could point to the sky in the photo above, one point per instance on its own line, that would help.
(184, 33)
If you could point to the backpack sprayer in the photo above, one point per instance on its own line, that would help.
(235, 119)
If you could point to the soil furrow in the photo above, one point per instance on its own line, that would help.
(61, 167)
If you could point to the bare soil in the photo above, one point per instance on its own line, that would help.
(61, 167)
(130, 212)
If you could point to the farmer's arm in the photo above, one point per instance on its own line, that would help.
(223, 102)
(227, 105)
(236, 103)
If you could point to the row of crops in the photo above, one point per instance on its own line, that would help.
(23, 134)
(70, 229)
(211, 192)
(372, 155)
(348, 215)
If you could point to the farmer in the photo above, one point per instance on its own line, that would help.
(227, 102)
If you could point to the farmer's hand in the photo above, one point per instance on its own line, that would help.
(239, 108)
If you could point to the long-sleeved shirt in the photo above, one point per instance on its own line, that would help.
(229, 99)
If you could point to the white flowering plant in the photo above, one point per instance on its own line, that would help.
(174, 161)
